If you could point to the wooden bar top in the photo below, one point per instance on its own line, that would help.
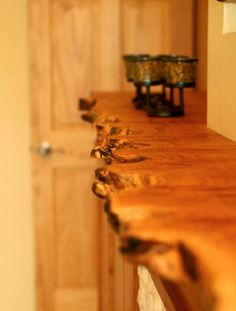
(169, 186)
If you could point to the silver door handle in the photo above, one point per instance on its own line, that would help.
(44, 149)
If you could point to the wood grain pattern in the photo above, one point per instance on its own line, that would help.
(117, 278)
(180, 23)
(71, 26)
(65, 211)
(76, 46)
(174, 210)
(200, 42)
(72, 219)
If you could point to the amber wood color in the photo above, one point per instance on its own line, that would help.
(118, 281)
(200, 42)
(66, 219)
(76, 46)
(170, 194)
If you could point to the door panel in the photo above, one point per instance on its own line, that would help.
(75, 228)
(182, 30)
(145, 26)
(73, 300)
(71, 58)
(65, 209)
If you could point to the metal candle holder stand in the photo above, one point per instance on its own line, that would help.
(170, 71)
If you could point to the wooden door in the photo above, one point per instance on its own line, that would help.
(76, 47)
(65, 209)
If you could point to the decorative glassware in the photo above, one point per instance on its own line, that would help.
(146, 70)
(130, 64)
(181, 71)
(171, 71)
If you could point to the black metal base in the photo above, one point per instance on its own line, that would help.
(157, 104)
(141, 102)
(164, 110)
(140, 99)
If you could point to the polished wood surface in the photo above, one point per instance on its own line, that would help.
(170, 193)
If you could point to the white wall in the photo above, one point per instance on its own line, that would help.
(16, 219)
(221, 74)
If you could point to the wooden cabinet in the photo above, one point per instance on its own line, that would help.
(170, 192)
(118, 278)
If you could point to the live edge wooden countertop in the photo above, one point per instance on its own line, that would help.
(170, 193)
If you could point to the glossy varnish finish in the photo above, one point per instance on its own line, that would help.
(170, 192)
